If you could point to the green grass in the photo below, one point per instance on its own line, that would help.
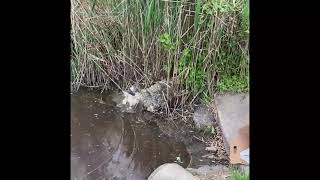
(238, 175)
(232, 84)
(200, 46)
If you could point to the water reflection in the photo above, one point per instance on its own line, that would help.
(108, 144)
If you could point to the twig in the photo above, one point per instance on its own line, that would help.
(200, 139)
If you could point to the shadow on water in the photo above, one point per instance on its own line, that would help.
(108, 144)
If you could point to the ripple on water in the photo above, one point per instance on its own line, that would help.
(116, 145)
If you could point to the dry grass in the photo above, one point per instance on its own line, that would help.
(193, 44)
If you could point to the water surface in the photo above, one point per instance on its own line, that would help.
(108, 144)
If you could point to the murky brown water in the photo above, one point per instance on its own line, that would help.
(108, 144)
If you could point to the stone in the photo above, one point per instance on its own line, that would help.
(203, 117)
(127, 102)
(210, 172)
(153, 97)
(171, 171)
(131, 100)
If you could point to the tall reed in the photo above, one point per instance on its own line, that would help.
(199, 46)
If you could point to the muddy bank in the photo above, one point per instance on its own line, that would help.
(109, 144)
(204, 148)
